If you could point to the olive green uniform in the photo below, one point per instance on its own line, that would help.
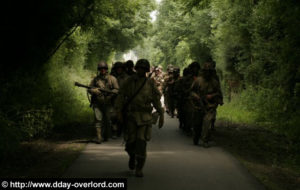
(200, 89)
(121, 78)
(102, 103)
(181, 87)
(139, 118)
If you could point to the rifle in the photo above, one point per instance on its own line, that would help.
(91, 87)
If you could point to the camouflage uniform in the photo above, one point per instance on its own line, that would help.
(172, 92)
(166, 89)
(158, 78)
(102, 104)
(139, 119)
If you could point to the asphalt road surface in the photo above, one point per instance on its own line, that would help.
(173, 163)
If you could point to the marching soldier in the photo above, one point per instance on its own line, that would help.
(102, 101)
(206, 92)
(129, 67)
(190, 111)
(158, 78)
(165, 88)
(121, 75)
(134, 104)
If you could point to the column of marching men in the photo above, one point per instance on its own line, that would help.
(127, 102)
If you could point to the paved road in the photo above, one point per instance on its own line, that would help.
(173, 162)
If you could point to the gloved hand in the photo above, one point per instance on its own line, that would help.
(161, 121)
(94, 91)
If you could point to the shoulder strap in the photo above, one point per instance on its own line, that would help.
(134, 95)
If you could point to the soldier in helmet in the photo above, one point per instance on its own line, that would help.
(172, 103)
(189, 110)
(129, 67)
(165, 88)
(180, 96)
(121, 75)
(136, 99)
(158, 77)
(102, 102)
(206, 91)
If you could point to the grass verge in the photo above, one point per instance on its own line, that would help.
(273, 159)
(47, 157)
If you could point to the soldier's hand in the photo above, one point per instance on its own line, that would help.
(161, 121)
(94, 91)
(209, 96)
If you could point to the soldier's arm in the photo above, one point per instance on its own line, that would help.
(156, 98)
(115, 85)
(93, 91)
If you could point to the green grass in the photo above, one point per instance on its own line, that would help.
(267, 148)
(234, 112)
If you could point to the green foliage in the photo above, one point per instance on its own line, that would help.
(38, 93)
(67, 66)
(8, 142)
(255, 45)
(117, 26)
(36, 123)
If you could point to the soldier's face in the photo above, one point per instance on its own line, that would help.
(140, 71)
(120, 70)
(102, 71)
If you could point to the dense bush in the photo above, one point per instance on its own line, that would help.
(60, 43)
(255, 45)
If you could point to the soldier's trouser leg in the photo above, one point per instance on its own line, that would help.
(141, 150)
(136, 145)
(172, 107)
(189, 112)
(180, 116)
(213, 121)
(198, 120)
(207, 124)
(130, 138)
(107, 122)
(98, 123)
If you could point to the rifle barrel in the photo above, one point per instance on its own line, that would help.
(82, 85)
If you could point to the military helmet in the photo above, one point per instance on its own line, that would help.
(143, 63)
(158, 68)
(102, 65)
(176, 70)
(186, 71)
(169, 67)
(118, 64)
(170, 70)
(208, 66)
(129, 64)
(195, 64)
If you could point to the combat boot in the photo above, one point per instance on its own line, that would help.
(139, 167)
(131, 163)
(99, 137)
